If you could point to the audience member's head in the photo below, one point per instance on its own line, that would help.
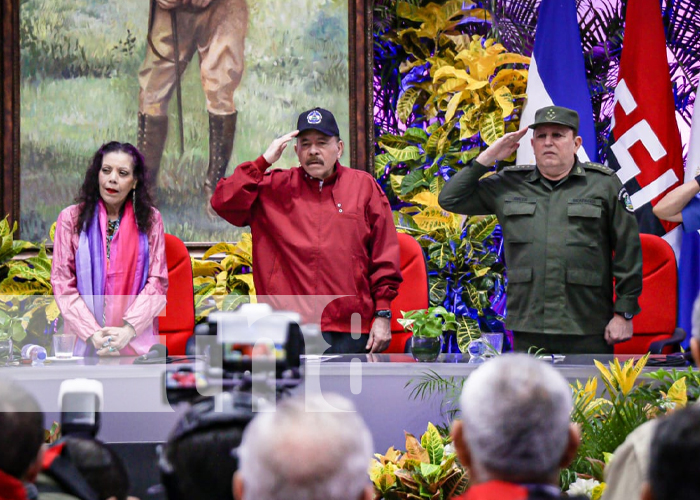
(21, 432)
(673, 463)
(304, 452)
(100, 466)
(200, 456)
(515, 422)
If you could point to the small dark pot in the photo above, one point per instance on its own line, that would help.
(426, 349)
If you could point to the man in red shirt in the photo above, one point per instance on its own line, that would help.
(324, 240)
(516, 431)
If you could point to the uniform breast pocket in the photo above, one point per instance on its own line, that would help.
(584, 224)
(519, 220)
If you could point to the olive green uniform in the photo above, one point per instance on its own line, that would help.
(560, 237)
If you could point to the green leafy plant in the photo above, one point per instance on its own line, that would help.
(431, 383)
(427, 469)
(460, 93)
(467, 88)
(431, 322)
(663, 380)
(625, 404)
(464, 269)
(27, 305)
(11, 328)
(224, 285)
(602, 25)
(628, 400)
(9, 247)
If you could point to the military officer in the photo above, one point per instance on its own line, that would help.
(569, 229)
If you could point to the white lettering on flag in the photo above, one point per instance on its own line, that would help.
(654, 189)
(641, 131)
(624, 97)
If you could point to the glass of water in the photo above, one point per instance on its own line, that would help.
(6, 356)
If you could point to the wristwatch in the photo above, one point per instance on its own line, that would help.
(627, 316)
(382, 313)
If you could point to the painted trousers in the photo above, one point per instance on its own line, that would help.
(217, 33)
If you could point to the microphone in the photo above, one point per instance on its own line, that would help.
(157, 353)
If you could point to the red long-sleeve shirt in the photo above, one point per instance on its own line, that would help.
(312, 238)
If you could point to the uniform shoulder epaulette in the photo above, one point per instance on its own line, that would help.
(599, 167)
(518, 168)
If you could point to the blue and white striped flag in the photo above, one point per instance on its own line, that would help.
(689, 262)
(557, 76)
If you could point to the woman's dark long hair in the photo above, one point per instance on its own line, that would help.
(90, 191)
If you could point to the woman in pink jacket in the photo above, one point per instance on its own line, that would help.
(109, 271)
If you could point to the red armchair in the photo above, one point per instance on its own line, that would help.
(413, 291)
(177, 324)
(655, 326)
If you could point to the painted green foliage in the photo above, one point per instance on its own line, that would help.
(79, 88)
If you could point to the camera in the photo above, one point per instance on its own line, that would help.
(253, 345)
(81, 402)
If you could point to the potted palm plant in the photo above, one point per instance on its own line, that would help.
(427, 326)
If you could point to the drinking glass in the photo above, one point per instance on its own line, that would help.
(6, 351)
(63, 344)
(493, 343)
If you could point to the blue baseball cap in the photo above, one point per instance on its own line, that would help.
(318, 119)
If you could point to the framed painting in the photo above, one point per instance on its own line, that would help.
(79, 73)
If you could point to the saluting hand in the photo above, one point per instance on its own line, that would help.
(502, 148)
(277, 147)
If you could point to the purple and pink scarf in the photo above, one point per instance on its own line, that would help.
(109, 286)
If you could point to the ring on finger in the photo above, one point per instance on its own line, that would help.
(105, 343)
(112, 348)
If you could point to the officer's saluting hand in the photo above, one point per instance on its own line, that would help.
(502, 148)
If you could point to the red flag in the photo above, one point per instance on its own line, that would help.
(647, 144)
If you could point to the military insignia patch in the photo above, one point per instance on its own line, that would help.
(625, 199)
(551, 115)
(314, 118)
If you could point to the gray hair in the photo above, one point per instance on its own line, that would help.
(695, 323)
(304, 452)
(516, 416)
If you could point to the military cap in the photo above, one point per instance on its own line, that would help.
(557, 115)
